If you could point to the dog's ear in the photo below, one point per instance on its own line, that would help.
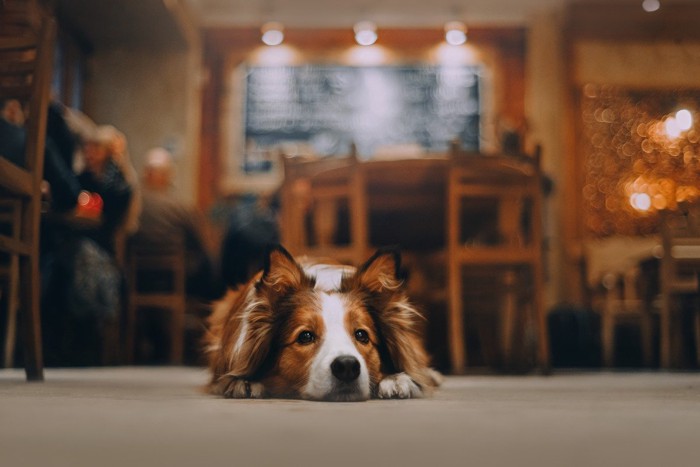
(249, 352)
(281, 272)
(382, 272)
(398, 321)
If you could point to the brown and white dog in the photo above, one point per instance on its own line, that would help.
(319, 331)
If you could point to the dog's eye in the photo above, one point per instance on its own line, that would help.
(362, 336)
(305, 337)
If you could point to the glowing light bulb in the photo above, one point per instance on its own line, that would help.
(673, 129)
(651, 6)
(684, 119)
(272, 33)
(455, 33)
(365, 33)
(640, 201)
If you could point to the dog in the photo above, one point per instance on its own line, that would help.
(320, 332)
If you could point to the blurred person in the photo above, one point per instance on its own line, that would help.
(12, 133)
(82, 287)
(105, 173)
(164, 217)
(58, 151)
(251, 228)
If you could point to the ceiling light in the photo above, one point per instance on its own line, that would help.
(365, 33)
(684, 119)
(651, 5)
(272, 33)
(673, 129)
(640, 201)
(455, 33)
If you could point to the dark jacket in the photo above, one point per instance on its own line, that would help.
(57, 171)
(116, 194)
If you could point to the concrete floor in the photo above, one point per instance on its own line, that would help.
(158, 417)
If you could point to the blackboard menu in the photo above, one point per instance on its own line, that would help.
(330, 107)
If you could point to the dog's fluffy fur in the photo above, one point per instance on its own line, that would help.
(319, 331)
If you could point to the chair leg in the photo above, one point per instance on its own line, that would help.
(608, 339)
(129, 330)
(541, 315)
(455, 319)
(508, 312)
(665, 328)
(647, 340)
(697, 337)
(12, 307)
(31, 322)
(177, 334)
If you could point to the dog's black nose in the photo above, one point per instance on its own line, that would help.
(346, 368)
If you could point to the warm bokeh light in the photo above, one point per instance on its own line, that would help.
(684, 119)
(640, 201)
(673, 130)
(272, 33)
(651, 5)
(455, 33)
(642, 157)
(365, 33)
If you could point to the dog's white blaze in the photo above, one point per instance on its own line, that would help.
(336, 342)
(328, 276)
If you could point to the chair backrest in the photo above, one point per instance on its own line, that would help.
(156, 278)
(680, 264)
(314, 194)
(507, 186)
(26, 49)
(166, 258)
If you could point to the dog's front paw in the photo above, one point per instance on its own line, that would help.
(239, 388)
(398, 386)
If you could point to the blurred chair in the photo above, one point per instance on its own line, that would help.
(164, 263)
(678, 277)
(621, 291)
(314, 193)
(26, 48)
(10, 223)
(624, 303)
(510, 188)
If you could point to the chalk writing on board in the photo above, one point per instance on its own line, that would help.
(330, 107)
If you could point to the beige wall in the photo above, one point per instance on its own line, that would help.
(153, 97)
(545, 110)
(661, 64)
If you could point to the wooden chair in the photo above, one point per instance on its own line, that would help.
(624, 303)
(26, 49)
(619, 279)
(167, 260)
(678, 276)
(313, 192)
(10, 223)
(511, 188)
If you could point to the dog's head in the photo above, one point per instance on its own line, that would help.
(320, 331)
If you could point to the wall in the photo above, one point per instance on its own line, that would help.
(545, 111)
(151, 98)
